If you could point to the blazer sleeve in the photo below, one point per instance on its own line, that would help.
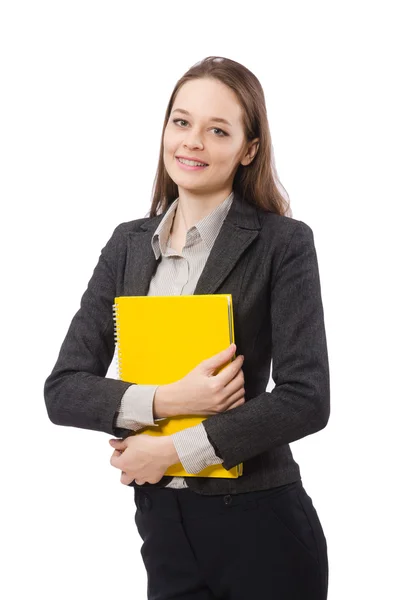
(77, 392)
(299, 404)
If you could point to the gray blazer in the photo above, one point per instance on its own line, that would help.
(269, 264)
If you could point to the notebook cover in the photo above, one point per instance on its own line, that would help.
(159, 339)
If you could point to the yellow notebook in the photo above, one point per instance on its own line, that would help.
(159, 339)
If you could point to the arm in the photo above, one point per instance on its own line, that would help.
(141, 405)
(299, 404)
(77, 392)
(136, 408)
(194, 449)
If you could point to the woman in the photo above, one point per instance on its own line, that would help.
(222, 228)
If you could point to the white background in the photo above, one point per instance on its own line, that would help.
(84, 87)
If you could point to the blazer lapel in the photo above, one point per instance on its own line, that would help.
(238, 231)
(141, 262)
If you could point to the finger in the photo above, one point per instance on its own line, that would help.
(218, 360)
(126, 478)
(115, 459)
(234, 386)
(230, 371)
(239, 402)
(118, 443)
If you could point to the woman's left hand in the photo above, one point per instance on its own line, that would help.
(143, 458)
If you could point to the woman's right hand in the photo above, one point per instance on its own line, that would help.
(207, 393)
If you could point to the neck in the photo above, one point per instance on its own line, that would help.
(197, 206)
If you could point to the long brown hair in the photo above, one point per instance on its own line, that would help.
(258, 182)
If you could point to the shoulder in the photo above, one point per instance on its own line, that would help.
(285, 240)
(122, 230)
(281, 230)
(116, 245)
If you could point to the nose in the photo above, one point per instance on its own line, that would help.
(193, 140)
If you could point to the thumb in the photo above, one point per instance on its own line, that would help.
(118, 443)
(220, 359)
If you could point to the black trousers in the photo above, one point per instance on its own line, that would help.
(258, 545)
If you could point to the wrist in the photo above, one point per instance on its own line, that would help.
(161, 402)
(167, 401)
(168, 450)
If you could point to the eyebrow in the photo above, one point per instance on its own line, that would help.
(216, 119)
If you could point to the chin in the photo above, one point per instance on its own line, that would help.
(183, 180)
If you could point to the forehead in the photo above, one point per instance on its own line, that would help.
(208, 98)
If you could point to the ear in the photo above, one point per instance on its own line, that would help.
(251, 152)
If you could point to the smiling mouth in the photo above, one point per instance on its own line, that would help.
(191, 163)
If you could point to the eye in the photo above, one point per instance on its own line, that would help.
(223, 133)
(179, 121)
(216, 129)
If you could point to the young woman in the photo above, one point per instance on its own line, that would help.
(218, 224)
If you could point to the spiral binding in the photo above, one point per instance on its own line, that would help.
(117, 340)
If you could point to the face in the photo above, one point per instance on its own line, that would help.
(206, 125)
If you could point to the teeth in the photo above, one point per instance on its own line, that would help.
(191, 163)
